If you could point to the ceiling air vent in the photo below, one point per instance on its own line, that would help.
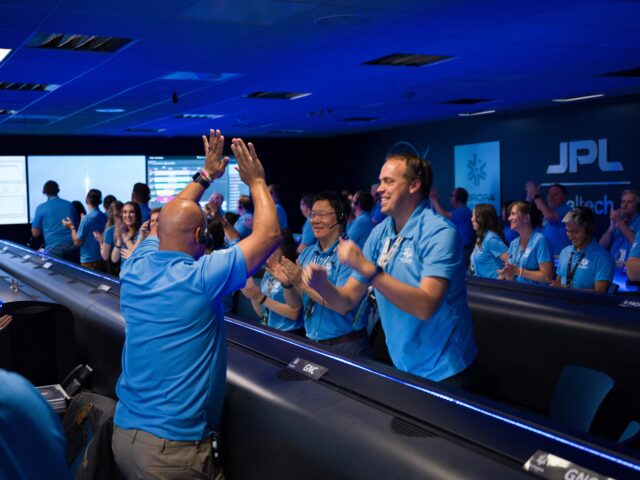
(360, 119)
(407, 60)
(6, 111)
(278, 95)
(78, 42)
(467, 101)
(28, 87)
(632, 72)
(199, 116)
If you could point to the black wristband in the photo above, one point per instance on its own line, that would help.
(378, 271)
(287, 287)
(536, 196)
(264, 299)
(199, 178)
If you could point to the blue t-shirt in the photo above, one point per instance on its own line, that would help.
(589, 266)
(308, 238)
(273, 289)
(32, 442)
(48, 218)
(538, 251)
(322, 323)
(443, 345)
(485, 258)
(376, 214)
(620, 246)
(282, 216)
(241, 225)
(174, 357)
(145, 212)
(94, 221)
(462, 221)
(360, 228)
(555, 231)
(107, 237)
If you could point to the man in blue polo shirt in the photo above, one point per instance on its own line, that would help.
(414, 260)
(584, 264)
(48, 219)
(338, 328)
(93, 221)
(553, 211)
(174, 358)
(623, 226)
(141, 194)
(361, 227)
(460, 215)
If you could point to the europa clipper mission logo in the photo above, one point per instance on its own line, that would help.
(476, 170)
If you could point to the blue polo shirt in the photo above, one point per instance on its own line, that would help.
(485, 258)
(635, 249)
(107, 237)
(273, 289)
(282, 216)
(322, 323)
(509, 235)
(48, 218)
(308, 238)
(145, 212)
(462, 221)
(443, 345)
(376, 213)
(591, 265)
(243, 230)
(32, 441)
(94, 221)
(174, 357)
(620, 243)
(538, 251)
(555, 231)
(360, 228)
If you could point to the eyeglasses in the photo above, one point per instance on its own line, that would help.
(321, 215)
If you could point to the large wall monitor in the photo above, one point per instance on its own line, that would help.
(13, 190)
(77, 174)
(169, 175)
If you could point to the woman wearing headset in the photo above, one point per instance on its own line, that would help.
(584, 264)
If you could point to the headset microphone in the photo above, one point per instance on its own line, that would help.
(337, 223)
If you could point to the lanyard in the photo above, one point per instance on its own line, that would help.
(572, 271)
(388, 251)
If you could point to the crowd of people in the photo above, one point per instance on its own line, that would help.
(396, 244)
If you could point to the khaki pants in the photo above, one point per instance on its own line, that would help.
(142, 455)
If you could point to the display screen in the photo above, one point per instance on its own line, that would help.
(169, 175)
(77, 174)
(13, 190)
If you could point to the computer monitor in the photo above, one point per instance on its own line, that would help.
(13, 190)
(77, 174)
(168, 176)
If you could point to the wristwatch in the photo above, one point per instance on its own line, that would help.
(201, 179)
(378, 271)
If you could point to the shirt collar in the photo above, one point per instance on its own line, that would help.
(409, 228)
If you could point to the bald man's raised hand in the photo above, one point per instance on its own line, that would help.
(214, 164)
(249, 166)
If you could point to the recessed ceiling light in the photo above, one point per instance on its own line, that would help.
(110, 110)
(77, 42)
(576, 99)
(200, 116)
(278, 95)
(4, 52)
(28, 87)
(467, 101)
(407, 60)
(344, 20)
(474, 114)
(6, 111)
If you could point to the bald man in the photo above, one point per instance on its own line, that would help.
(174, 359)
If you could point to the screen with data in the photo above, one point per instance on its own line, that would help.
(167, 176)
(77, 174)
(13, 190)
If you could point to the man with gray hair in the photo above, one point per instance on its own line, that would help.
(624, 224)
(584, 264)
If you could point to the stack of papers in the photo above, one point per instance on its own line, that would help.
(56, 396)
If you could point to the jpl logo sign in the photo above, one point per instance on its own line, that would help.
(583, 152)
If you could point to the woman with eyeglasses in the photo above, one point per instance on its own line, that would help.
(490, 252)
(530, 255)
(268, 299)
(341, 331)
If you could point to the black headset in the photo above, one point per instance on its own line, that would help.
(205, 238)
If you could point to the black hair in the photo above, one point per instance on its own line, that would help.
(288, 245)
(216, 230)
(51, 188)
(80, 210)
(94, 197)
(246, 202)
(141, 192)
(562, 188)
(364, 200)
(307, 199)
(107, 201)
(487, 220)
(461, 194)
(338, 202)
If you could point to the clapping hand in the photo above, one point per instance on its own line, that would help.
(292, 272)
(350, 254)
(314, 276)
(507, 272)
(251, 290)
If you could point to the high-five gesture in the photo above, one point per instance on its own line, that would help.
(249, 165)
(214, 163)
